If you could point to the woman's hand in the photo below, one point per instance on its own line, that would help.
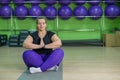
(42, 43)
(28, 43)
(56, 43)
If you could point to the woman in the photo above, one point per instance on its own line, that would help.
(44, 52)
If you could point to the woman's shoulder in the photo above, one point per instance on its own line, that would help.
(50, 32)
(34, 33)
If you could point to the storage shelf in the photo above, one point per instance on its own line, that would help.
(63, 28)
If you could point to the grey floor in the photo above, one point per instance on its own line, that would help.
(80, 63)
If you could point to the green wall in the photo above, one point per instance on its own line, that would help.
(71, 29)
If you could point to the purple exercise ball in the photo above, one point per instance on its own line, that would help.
(21, 12)
(95, 12)
(6, 11)
(112, 11)
(35, 11)
(65, 12)
(50, 12)
(80, 12)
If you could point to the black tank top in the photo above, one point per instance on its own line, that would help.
(46, 39)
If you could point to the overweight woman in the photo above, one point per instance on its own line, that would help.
(43, 49)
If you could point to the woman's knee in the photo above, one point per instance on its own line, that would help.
(28, 53)
(32, 58)
(59, 51)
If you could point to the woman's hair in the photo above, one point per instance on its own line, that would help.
(41, 18)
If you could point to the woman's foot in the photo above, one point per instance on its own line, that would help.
(35, 70)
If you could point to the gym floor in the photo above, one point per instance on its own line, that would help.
(80, 63)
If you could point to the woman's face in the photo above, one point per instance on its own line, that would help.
(41, 24)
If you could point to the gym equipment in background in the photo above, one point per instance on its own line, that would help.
(22, 36)
(50, 12)
(80, 12)
(3, 39)
(35, 11)
(112, 11)
(6, 11)
(95, 12)
(14, 41)
(65, 12)
(21, 12)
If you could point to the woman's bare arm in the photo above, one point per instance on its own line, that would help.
(28, 43)
(56, 42)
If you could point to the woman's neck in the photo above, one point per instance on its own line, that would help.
(42, 33)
